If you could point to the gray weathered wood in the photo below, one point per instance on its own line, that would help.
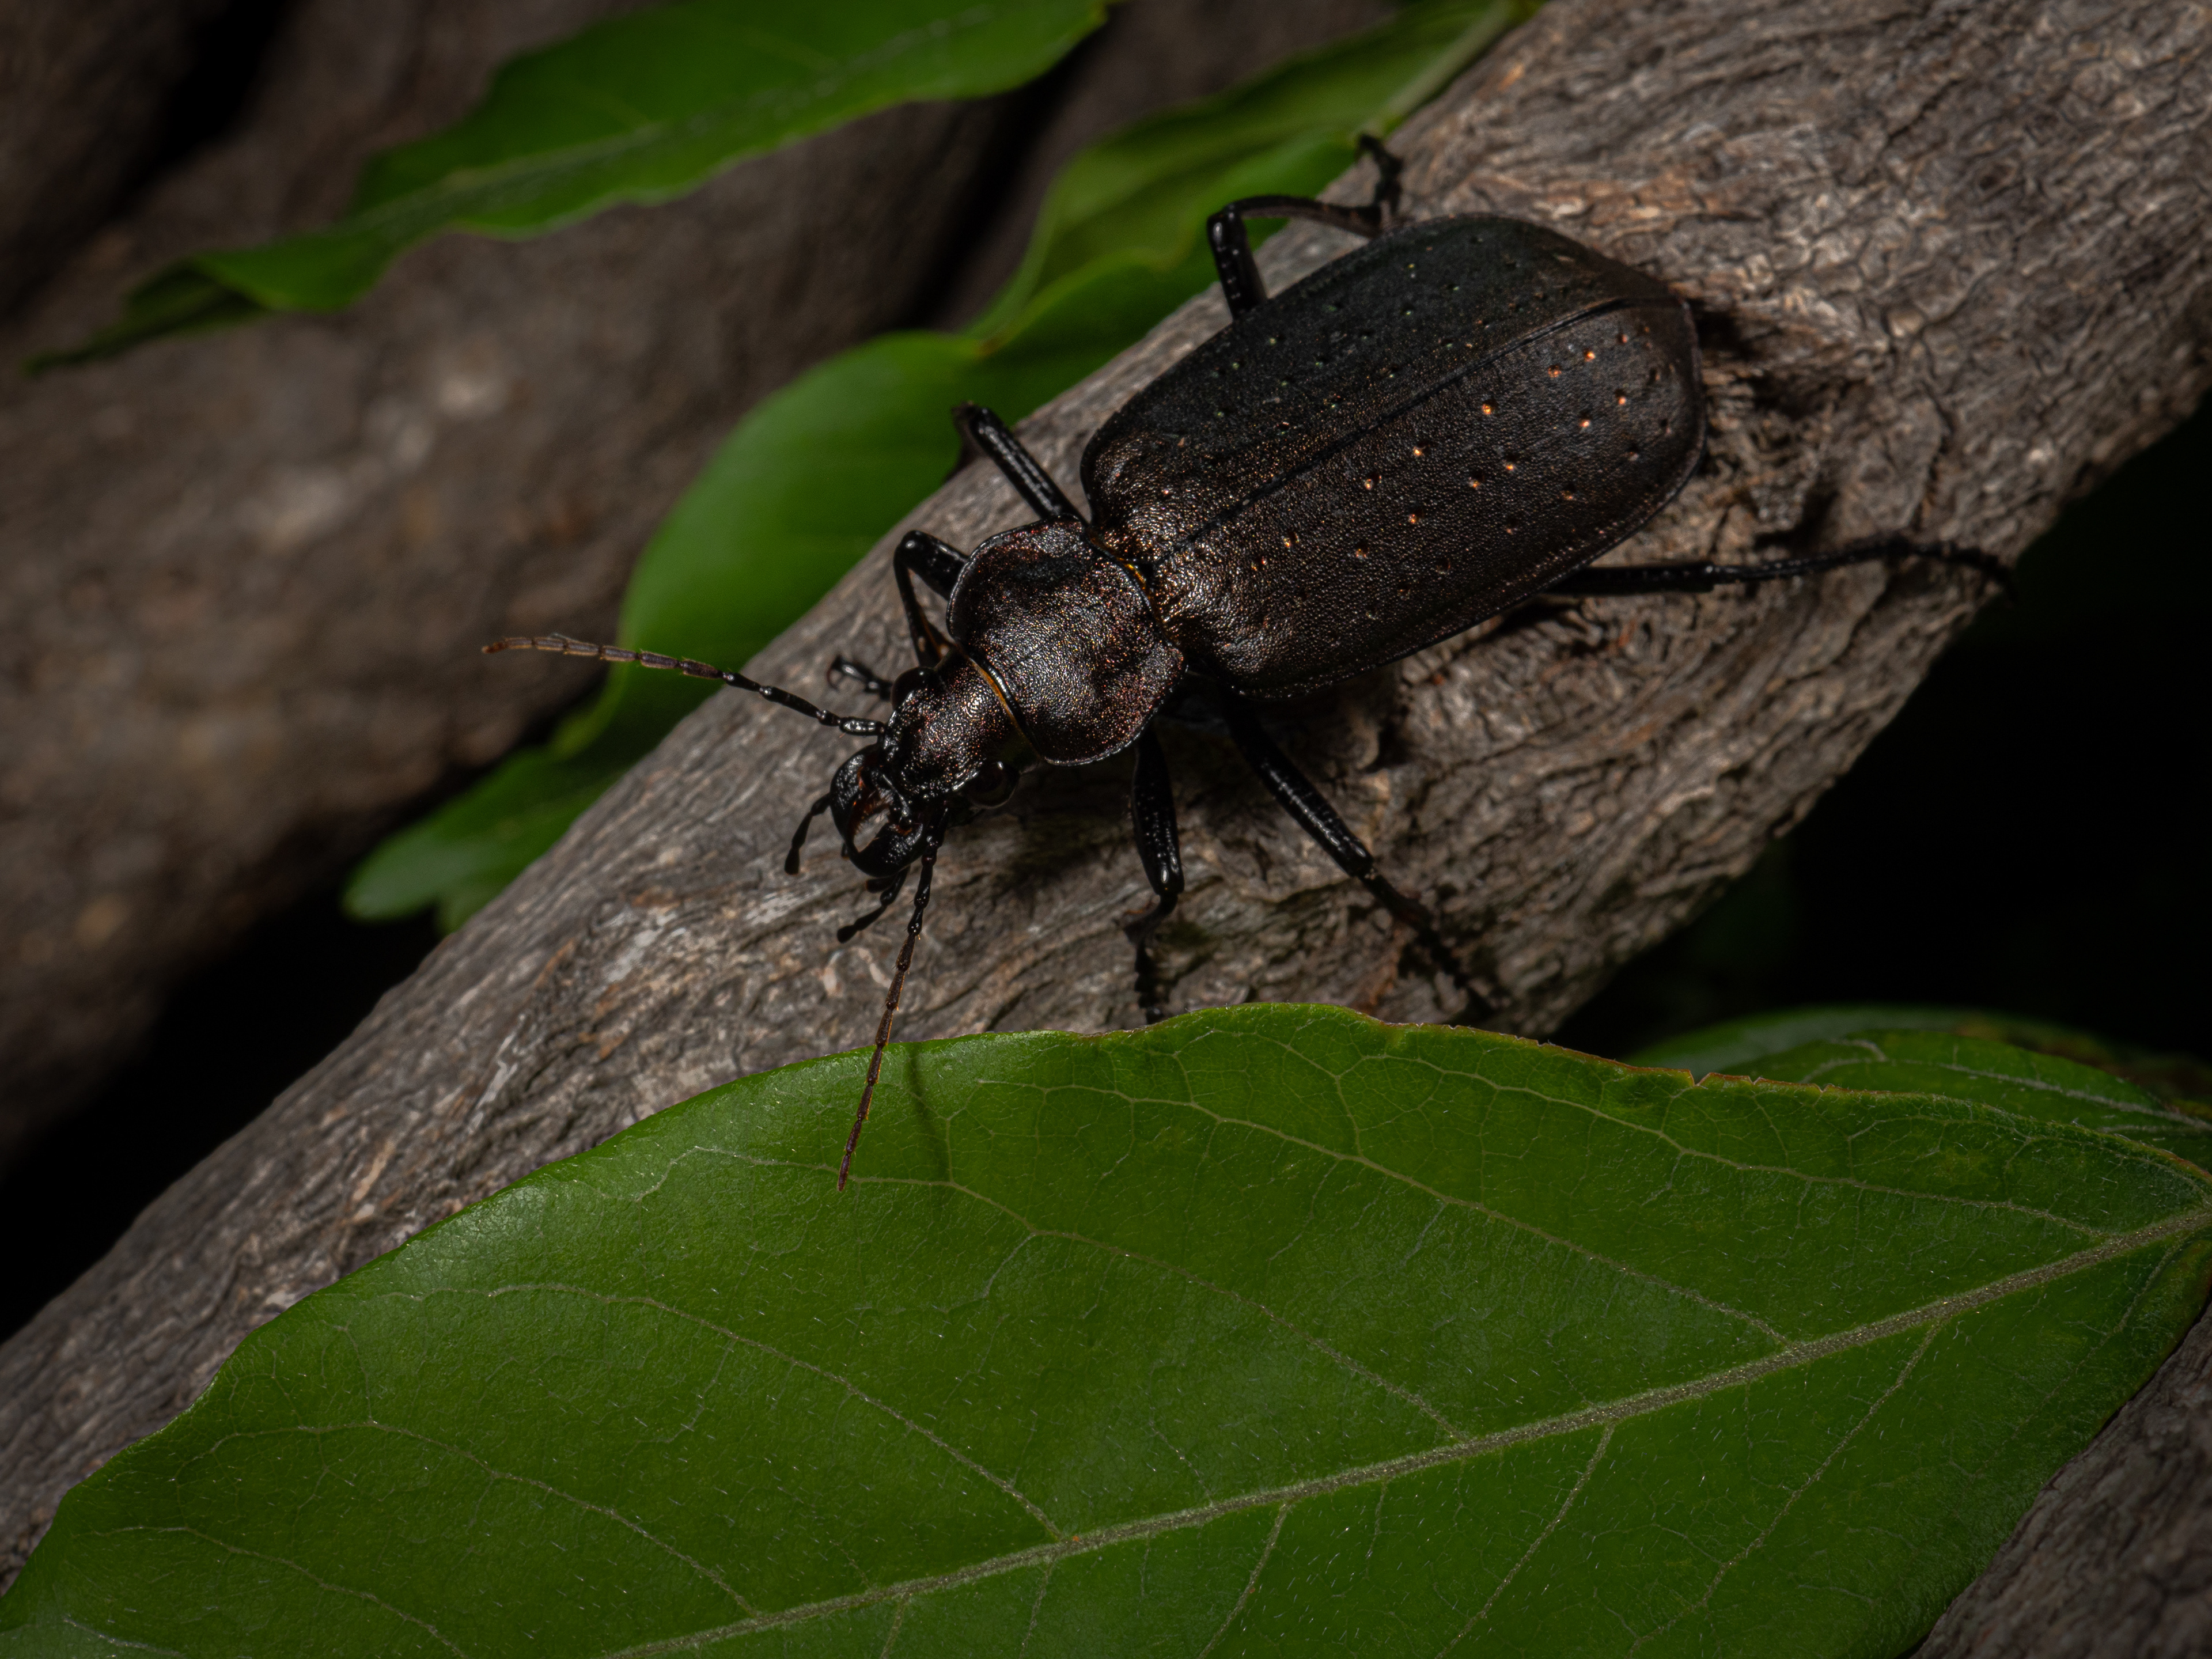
(1953, 265)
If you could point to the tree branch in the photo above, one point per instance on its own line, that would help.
(1951, 269)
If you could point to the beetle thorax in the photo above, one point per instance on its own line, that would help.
(1068, 639)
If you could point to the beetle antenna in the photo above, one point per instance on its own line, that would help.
(561, 646)
(799, 836)
(890, 1007)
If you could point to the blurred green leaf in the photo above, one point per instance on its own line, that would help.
(638, 108)
(1747, 1047)
(1975, 1068)
(1266, 1330)
(815, 475)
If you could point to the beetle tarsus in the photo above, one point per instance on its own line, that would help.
(1703, 576)
(1152, 816)
(1383, 204)
(1297, 795)
(1231, 244)
(798, 835)
(1140, 932)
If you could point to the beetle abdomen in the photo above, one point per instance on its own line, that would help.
(1419, 435)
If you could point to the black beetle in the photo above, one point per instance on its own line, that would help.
(1460, 416)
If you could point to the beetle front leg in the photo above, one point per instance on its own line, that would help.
(1152, 814)
(845, 668)
(1297, 796)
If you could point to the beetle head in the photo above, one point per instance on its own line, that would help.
(948, 749)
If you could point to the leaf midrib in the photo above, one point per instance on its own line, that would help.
(1939, 1312)
(1931, 1316)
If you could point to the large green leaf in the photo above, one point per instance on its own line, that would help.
(816, 474)
(638, 108)
(1265, 1330)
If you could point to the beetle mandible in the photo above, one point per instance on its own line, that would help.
(1458, 416)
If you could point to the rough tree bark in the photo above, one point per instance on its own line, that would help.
(1951, 267)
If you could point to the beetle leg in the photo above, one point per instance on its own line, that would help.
(889, 889)
(798, 835)
(1232, 244)
(1304, 802)
(844, 668)
(996, 443)
(1703, 576)
(938, 564)
(1388, 167)
(1152, 812)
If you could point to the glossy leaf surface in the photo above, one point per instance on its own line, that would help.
(817, 473)
(1267, 1330)
(637, 108)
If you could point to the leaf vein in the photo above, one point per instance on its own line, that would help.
(370, 1596)
(1616, 1411)
(1319, 1345)
(1500, 1216)
(1911, 1364)
(1252, 1583)
(793, 1360)
(1604, 1442)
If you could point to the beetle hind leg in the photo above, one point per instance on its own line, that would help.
(1151, 812)
(1297, 796)
(1703, 576)
(1231, 243)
